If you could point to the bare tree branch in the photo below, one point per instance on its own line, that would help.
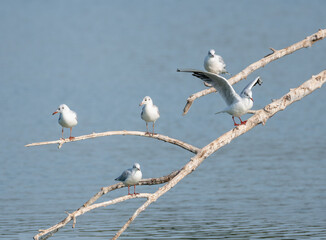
(276, 54)
(261, 116)
(177, 142)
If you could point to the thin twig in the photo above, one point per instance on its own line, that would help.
(111, 202)
(276, 54)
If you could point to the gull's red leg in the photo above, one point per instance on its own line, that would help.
(71, 138)
(147, 132)
(135, 190)
(62, 133)
(129, 190)
(242, 122)
(235, 124)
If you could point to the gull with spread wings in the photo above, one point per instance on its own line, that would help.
(237, 105)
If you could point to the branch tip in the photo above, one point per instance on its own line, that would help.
(272, 49)
(74, 222)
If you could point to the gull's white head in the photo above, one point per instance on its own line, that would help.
(211, 53)
(248, 93)
(136, 166)
(146, 100)
(61, 108)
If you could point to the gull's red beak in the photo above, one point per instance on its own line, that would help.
(251, 99)
(140, 104)
(54, 112)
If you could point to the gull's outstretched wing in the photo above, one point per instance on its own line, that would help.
(252, 84)
(219, 83)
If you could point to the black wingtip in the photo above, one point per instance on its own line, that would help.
(259, 81)
(178, 70)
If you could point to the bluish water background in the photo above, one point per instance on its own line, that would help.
(101, 58)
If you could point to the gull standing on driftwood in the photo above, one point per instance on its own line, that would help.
(67, 118)
(237, 105)
(131, 176)
(214, 63)
(150, 112)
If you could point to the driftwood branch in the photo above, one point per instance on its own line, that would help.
(163, 138)
(276, 54)
(261, 116)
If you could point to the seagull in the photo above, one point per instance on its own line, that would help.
(67, 118)
(150, 112)
(214, 63)
(237, 105)
(131, 176)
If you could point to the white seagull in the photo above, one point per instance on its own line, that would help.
(237, 105)
(67, 118)
(150, 112)
(131, 176)
(214, 63)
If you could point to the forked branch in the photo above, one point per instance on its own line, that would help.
(88, 206)
(276, 54)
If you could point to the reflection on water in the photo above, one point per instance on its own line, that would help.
(102, 59)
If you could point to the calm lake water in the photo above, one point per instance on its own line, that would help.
(101, 58)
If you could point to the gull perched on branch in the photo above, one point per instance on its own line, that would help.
(237, 105)
(131, 176)
(214, 63)
(67, 118)
(150, 112)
